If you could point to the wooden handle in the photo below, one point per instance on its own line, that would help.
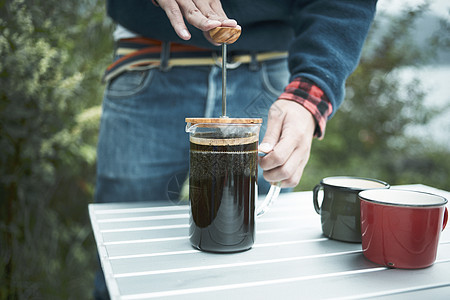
(225, 35)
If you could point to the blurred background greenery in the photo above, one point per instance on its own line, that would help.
(375, 133)
(52, 57)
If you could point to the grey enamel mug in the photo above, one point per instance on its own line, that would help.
(340, 207)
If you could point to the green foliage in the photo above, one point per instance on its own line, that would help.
(367, 136)
(49, 97)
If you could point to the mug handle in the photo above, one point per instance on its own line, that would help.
(271, 196)
(445, 219)
(315, 196)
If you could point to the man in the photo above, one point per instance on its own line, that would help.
(289, 67)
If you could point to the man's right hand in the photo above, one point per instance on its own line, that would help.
(203, 14)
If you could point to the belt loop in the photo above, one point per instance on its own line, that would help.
(253, 65)
(165, 55)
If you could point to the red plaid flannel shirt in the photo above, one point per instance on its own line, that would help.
(306, 93)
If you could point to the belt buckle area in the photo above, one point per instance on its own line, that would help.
(229, 65)
(233, 65)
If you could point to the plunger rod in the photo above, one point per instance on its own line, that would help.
(224, 80)
(224, 36)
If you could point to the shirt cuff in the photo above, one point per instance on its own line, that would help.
(310, 96)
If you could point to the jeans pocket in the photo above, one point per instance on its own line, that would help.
(275, 76)
(129, 83)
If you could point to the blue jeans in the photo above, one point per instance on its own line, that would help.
(143, 149)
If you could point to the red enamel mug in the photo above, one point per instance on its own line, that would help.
(401, 228)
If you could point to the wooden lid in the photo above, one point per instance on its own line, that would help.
(225, 141)
(194, 121)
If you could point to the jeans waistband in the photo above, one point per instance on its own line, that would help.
(144, 53)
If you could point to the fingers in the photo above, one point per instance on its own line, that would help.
(291, 170)
(205, 15)
(210, 10)
(173, 12)
(290, 130)
(273, 131)
(229, 23)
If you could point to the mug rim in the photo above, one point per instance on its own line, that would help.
(386, 185)
(363, 197)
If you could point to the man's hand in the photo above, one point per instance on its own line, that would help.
(203, 14)
(288, 139)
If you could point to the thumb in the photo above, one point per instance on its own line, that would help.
(273, 132)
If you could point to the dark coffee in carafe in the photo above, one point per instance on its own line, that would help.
(222, 192)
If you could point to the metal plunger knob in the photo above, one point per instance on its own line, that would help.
(224, 36)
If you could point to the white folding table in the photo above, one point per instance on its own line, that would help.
(145, 253)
